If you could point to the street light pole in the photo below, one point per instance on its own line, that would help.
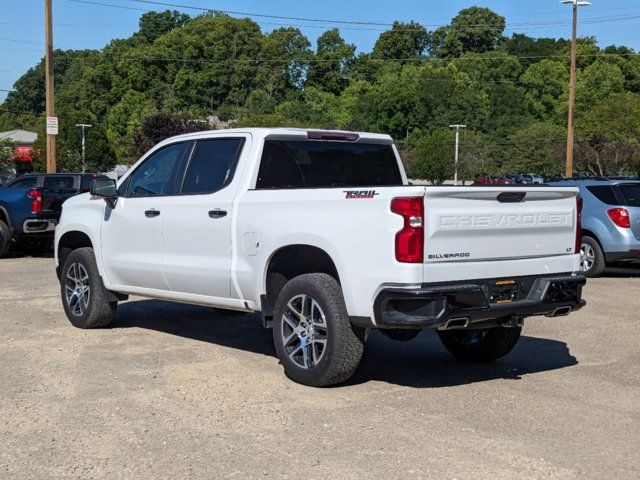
(84, 159)
(457, 127)
(572, 85)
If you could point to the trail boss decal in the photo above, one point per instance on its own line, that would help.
(360, 193)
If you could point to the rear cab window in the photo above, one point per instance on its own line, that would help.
(287, 164)
(59, 184)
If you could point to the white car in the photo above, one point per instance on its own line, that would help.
(532, 178)
(321, 232)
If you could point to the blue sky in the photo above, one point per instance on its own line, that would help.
(78, 25)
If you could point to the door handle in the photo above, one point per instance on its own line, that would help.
(152, 213)
(217, 213)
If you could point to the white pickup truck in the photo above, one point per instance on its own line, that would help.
(321, 232)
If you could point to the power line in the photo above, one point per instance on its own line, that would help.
(334, 22)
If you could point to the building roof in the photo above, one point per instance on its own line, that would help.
(22, 137)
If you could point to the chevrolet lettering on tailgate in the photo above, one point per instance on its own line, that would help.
(505, 220)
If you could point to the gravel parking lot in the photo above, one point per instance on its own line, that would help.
(180, 391)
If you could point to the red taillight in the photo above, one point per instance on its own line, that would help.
(578, 246)
(36, 203)
(410, 240)
(619, 216)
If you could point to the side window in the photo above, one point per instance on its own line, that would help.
(156, 174)
(212, 165)
(58, 183)
(604, 193)
(29, 182)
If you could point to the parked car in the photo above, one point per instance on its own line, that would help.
(504, 180)
(610, 223)
(558, 177)
(531, 178)
(30, 207)
(321, 233)
(483, 179)
(512, 178)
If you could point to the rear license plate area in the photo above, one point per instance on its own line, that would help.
(503, 291)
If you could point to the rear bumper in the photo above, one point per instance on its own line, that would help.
(38, 225)
(434, 306)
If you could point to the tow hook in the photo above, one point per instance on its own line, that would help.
(512, 322)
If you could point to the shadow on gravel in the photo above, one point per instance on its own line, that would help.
(206, 324)
(15, 253)
(424, 363)
(630, 270)
(420, 363)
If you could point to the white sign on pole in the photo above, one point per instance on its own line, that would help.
(52, 125)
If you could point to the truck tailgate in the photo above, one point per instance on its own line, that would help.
(464, 225)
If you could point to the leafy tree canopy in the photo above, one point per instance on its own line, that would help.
(179, 73)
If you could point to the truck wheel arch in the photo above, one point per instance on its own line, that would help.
(294, 260)
(69, 242)
(588, 233)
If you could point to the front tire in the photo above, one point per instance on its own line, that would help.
(312, 334)
(83, 294)
(592, 259)
(480, 345)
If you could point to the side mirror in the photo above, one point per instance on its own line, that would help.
(105, 188)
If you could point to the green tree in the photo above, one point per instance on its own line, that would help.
(159, 126)
(596, 83)
(403, 41)
(609, 136)
(533, 50)
(284, 59)
(478, 155)
(123, 119)
(496, 76)
(6, 160)
(545, 82)
(474, 29)
(332, 64)
(432, 157)
(153, 25)
(538, 148)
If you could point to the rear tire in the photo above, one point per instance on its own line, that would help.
(313, 336)
(5, 238)
(480, 345)
(400, 334)
(83, 294)
(591, 257)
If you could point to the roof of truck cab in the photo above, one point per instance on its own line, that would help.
(278, 132)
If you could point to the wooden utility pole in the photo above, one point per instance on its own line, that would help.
(50, 102)
(572, 86)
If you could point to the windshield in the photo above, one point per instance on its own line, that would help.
(323, 164)
(631, 194)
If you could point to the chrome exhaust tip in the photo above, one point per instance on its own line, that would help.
(561, 312)
(455, 323)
